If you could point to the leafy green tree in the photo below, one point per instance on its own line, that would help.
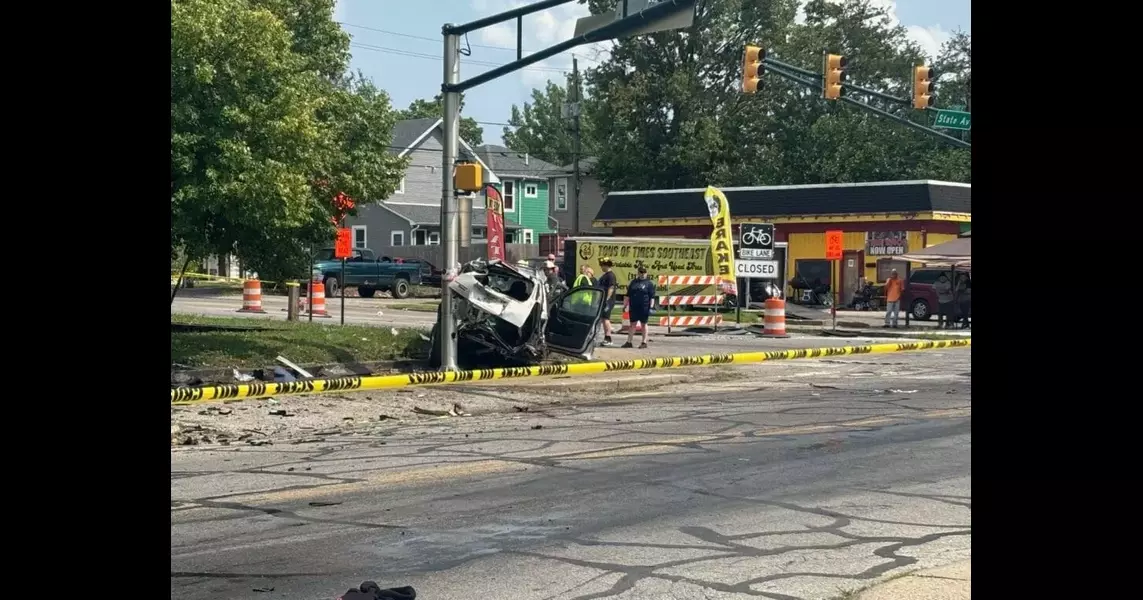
(669, 111)
(540, 129)
(470, 130)
(266, 128)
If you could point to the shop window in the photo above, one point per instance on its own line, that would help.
(886, 266)
(814, 271)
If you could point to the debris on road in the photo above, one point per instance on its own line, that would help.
(296, 368)
(281, 412)
(243, 377)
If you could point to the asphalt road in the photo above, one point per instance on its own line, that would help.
(358, 311)
(807, 480)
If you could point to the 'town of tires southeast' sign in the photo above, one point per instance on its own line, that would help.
(886, 243)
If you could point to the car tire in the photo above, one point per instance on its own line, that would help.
(366, 292)
(332, 287)
(401, 288)
(921, 310)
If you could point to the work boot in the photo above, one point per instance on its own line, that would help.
(643, 346)
(627, 345)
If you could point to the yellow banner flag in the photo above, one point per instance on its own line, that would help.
(721, 239)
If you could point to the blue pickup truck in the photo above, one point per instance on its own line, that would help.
(366, 272)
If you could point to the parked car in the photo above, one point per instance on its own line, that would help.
(919, 297)
(503, 313)
(366, 272)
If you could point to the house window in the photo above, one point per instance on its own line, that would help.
(531, 190)
(528, 236)
(509, 237)
(419, 237)
(509, 194)
(359, 239)
(435, 238)
(396, 238)
(401, 186)
(561, 197)
(478, 233)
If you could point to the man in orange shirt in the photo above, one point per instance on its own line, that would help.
(893, 288)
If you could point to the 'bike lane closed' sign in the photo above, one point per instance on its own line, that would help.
(756, 269)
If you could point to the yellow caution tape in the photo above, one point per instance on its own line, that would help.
(214, 393)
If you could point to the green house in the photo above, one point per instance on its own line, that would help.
(524, 183)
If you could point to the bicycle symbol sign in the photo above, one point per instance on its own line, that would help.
(757, 236)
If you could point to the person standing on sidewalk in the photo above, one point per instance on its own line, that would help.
(586, 277)
(640, 295)
(893, 288)
(608, 284)
(945, 316)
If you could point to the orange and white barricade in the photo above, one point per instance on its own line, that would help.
(690, 300)
(774, 318)
(251, 297)
(692, 321)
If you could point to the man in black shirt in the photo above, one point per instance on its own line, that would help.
(640, 295)
(608, 284)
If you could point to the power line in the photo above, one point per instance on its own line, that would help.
(436, 40)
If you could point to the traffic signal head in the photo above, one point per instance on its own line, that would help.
(834, 76)
(752, 68)
(923, 87)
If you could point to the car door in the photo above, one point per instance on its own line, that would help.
(574, 320)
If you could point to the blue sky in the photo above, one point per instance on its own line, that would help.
(397, 44)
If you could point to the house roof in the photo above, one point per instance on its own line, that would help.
(430, 214)
(409, 133)
(506, 162)
(792, 200)
(586, 165)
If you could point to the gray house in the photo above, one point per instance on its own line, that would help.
(573, 218)
(411, 217)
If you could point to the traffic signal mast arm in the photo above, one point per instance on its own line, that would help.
(811, 79)
(770, 62)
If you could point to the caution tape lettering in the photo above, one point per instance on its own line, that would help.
(619, 365)
(340, 384)
(187, 394)
(544, 370)
(692, 361)
(426, 377)
(510, 372)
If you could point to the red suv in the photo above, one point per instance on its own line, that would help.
(919, 298)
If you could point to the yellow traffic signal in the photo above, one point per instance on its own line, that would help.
(834, 76)
(923, 87)
(752, 68)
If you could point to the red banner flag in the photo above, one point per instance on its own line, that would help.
(494, 208)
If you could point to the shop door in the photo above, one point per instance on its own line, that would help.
(852, 265)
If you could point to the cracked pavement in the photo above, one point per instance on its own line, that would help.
(799, 480)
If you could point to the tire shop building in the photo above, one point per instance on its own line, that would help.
(880, 221)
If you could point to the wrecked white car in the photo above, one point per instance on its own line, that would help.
(506, 314)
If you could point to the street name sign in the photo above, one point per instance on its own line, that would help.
(953, 119)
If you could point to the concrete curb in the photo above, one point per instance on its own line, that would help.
(884, 333)
(950, 582)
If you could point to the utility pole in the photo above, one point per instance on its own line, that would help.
(450, 233)
(575, 131)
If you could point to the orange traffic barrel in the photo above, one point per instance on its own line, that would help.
(252, 296)
(317, 299)
(774, 318)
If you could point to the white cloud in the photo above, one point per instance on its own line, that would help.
(929, 38)
(541, 30)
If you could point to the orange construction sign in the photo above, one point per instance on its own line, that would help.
(344, 246)
(834, 245)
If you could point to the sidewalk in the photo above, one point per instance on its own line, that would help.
(950, 582)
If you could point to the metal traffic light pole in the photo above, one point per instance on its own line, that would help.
(452, 87)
